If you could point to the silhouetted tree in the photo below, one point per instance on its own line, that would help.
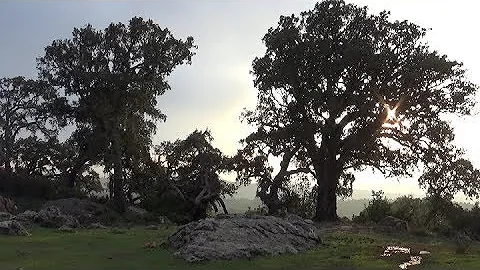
(354, 91)
(55, 161)
(449, 176)
(113, 78)
(26, 110)
(251, 163)
(193, 167)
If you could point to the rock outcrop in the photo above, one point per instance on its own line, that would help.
(393, 224)
(13, 227)
(52, 217)
(229, 237)
(84, 210)
(134, 213)
(27, 216)
(4, 216)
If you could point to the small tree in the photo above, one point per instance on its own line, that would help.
(191, 171)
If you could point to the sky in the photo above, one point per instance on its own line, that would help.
(212, 92)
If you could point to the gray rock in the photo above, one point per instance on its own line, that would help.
(84, 210)
(28, 215)
(4, 216)
(238, 237)
(152, 227)
(134, 213)
(393, 224)
(13, 227)
(65, 228)
(97, 225)
(164, 220)
(52, 217)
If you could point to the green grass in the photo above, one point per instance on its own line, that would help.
(105, 249)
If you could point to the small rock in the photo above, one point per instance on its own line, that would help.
(97, 225)
(152, 244)
(13, 227)
(151, 227)
(4, 216)
(65, 228)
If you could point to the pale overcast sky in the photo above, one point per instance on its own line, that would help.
(213, 91)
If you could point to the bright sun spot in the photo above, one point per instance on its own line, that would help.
(391, 113)
(392, 119)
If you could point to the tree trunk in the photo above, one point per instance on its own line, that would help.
(327, 179)
(72, 176)
(119, 198)
(268, 193)
(8, 151)
(326, 205)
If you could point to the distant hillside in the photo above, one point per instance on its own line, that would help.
(345, 208)
(245, 198)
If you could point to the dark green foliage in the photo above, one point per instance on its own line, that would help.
(27, 110)
(407, 208)
(185, 181)
(425, 216)
(300, 198)
(344, 90)
(112, 78)
(26, 186)
(378, 208)
(59, 162)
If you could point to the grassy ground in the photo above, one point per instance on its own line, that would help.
(109, 249)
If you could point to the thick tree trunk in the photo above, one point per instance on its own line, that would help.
(326, 205)
(327, 175)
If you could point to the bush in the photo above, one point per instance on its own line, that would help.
(378, 208)
(26, 186)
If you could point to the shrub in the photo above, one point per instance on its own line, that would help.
(378, 208)
(27, 186)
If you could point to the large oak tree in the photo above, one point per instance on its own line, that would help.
(112, 78)
(345, 90)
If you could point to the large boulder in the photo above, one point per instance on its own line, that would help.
(13, 227)
(84, 210)
(393, 224)
(52, 217)
(235, 237)
(7, 205)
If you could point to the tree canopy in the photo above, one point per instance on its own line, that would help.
(26, 110)
(112, 78)
(346, 90)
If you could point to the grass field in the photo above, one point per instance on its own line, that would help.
(124, 249)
